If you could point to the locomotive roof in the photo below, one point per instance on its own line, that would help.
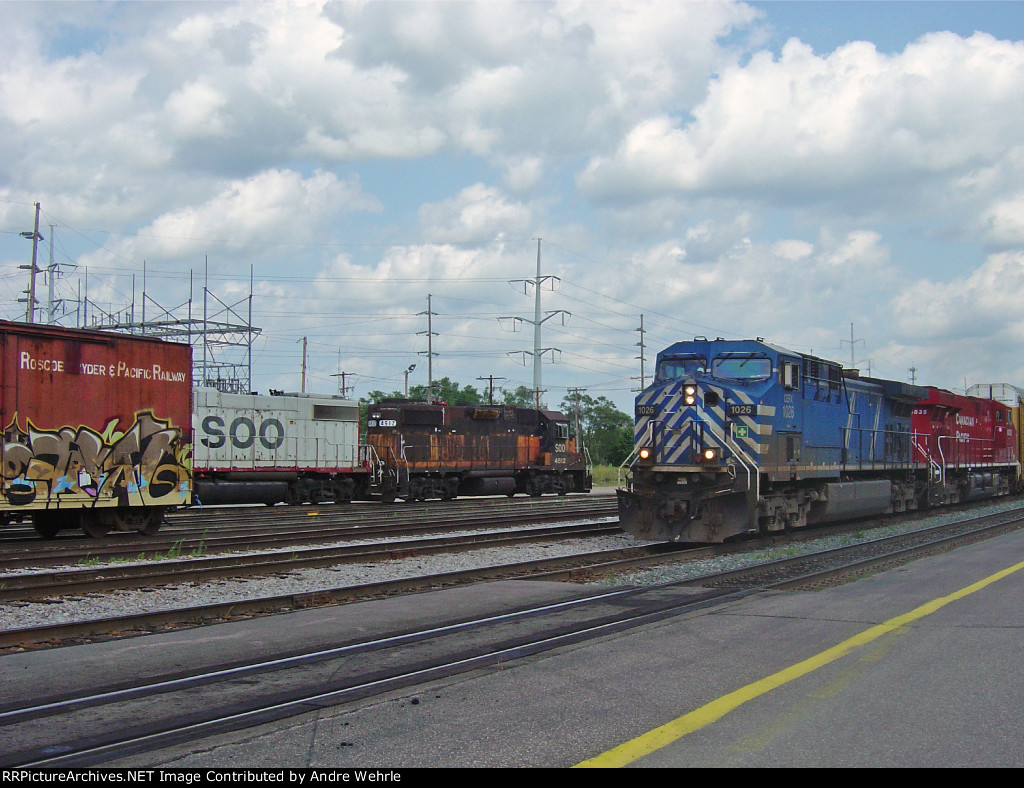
(551, 415)
(724, 345)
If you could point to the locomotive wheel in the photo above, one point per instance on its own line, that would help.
(145, 520)
(46, 525)
(96, 526)
(152, 523)
(344, 492)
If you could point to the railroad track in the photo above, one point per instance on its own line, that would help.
(263, 528)
(578, 568)
(215, 698)
(114, 577)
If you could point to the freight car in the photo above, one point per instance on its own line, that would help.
(744, 437)
(96, 426)
(291, 448)
(444, 451)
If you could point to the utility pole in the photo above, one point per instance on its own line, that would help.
(913, 375)
(30, 309)
(538, 351)
(430, 350)
(575, 393)
(490, 387)
(303, 386)
(642, 346)
(342, 388)
(853, 342)
(50, 275)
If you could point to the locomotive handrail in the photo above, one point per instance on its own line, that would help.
(744, 458)
(890, 456)
(958, 461)
(368, 457)
(636, 448)
(937, 469)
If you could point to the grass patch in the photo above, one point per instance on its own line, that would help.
(606, 476)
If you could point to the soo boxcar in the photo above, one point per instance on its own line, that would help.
(292, 448)
(742, 437)
(442, 451)
(96, 428)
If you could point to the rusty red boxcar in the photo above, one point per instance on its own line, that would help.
(97, 428)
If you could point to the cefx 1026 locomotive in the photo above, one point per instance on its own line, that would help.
(745, 437)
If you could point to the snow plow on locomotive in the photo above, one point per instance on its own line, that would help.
(744, 437)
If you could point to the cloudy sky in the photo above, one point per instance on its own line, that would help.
(792, 170)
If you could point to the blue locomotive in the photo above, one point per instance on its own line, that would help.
(741, 437)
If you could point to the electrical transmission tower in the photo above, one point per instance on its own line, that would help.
(538, 352)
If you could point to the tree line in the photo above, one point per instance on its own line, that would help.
(606, 431)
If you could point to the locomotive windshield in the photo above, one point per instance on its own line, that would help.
(681, 367)
(741, 367)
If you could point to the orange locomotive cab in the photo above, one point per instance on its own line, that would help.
(434, 450)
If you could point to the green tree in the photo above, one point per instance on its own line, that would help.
(607, 432)
(445, 390)
(522, 397)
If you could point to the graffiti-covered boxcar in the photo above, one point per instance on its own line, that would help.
(97, 428)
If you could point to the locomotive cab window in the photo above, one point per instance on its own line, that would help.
(790, 375)
(681, 367)
(741, 366)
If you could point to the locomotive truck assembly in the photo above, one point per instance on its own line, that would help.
(744, 437)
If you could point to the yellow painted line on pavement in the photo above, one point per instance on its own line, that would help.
(664, 735)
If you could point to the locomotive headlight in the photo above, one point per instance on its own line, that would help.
(690, 395)
(644, 453)
(709, 455)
